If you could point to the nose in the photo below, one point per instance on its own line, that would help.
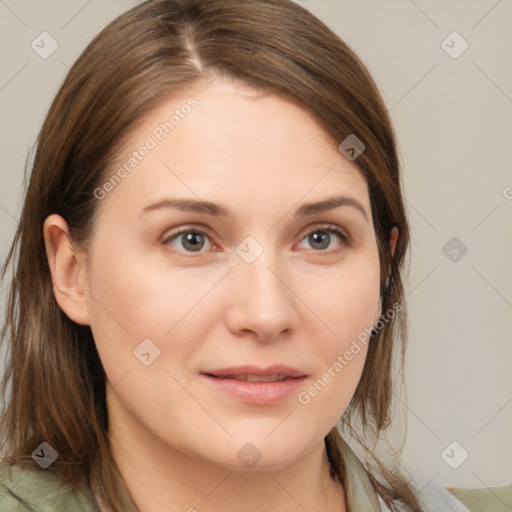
(262, 300)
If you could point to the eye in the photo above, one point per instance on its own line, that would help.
(194, 240)
(189, 240)
(324, 238)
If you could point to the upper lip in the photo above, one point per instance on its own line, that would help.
(254, 370)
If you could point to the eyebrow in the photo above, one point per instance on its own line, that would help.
(209, 208)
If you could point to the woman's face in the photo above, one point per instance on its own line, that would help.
(216, 258)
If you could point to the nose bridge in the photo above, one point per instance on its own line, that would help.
(264, 302)
(260, 270)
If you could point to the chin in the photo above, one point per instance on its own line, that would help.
(259, 455)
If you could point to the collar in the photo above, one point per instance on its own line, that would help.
(359, 491)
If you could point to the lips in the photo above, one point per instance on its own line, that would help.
(255, 385)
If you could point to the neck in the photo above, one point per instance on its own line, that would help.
(160, 478)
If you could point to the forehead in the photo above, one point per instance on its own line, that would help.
(228, 142)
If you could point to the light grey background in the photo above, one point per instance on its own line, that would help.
(453, 118)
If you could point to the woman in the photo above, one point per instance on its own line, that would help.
(207, 274)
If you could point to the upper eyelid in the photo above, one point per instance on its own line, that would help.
(202, 229)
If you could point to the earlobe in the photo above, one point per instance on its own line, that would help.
(68, 270)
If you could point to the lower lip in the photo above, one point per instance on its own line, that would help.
(258, 393)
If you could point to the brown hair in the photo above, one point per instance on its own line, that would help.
(54, 384)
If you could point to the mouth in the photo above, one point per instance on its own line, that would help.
(257, 386)
(248, 377)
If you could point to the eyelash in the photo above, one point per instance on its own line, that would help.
(328, 228)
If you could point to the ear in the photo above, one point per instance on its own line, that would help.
(68, 270)
(393, 237)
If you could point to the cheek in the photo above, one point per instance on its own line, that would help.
(349, 301)
(349, 306)
(129, 304)
(131, 301)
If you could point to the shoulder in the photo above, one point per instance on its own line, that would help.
(436, 498)
(432, 498)
(34, 490)
(492, 499)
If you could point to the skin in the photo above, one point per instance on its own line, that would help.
(175, 437)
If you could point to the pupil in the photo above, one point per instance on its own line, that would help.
(195, 241)
(322, 239)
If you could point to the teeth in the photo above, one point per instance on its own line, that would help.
(257, 378)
